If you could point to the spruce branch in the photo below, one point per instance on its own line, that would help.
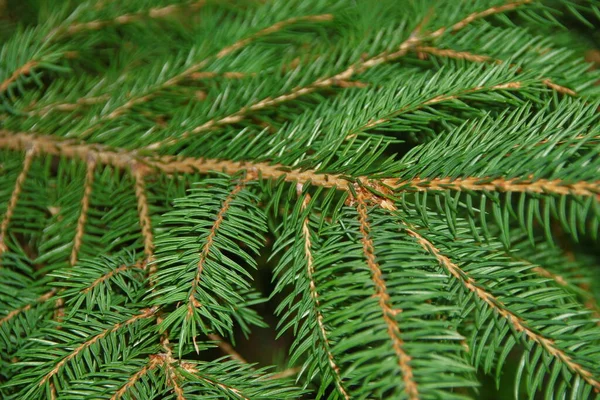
(413, 179)
(192, 302)
(389, 312)
(122, 159)
(517, 323)
(110, 274)
(310, 270)
(85, 204)
(144, 314)
(464, 55)
(551, 186)
(194, 68)
(139, 173)
(14, 198)
(153, 362)
(152, 13)
(433, 101)
(412, 41)
(42, 299)
(23, 70)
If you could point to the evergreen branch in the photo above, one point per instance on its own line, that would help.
(110, 274)
(146, 313)
(278, 26)
(310, 269)
(139, 172)
(509, 6)
(14, 198)
(590, 301)
(154, 361)
(68, 107)
(85, 203)
(178, 78)
(553, 186)
(23, 70)
(172, 378)
(43, 298)
(467, 56)
(195, 373)
(432, 101)
(192, 303)
(226, 75)
(497, 306)
(388, 311)
(120, 158)
(153, 13)
(227, 348)
(326, 82)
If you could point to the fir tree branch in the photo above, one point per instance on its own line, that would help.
(192, 303)
(590, 302)
(42, 299)
(67, 107)
(432, 101)
(310, 269)
(388, 311)
(509, 6)
(172, 380)
(226, 75)
(14, 198)
(146, 313)
(554, 186)
(139, 172)
(112, 273)
(120, 158)
(415, 39)
(497, 306)
(195, 373)
(464, 55)
(23, 70)
(85, 203)
(153, 13)
(178, 78)
(153, 362)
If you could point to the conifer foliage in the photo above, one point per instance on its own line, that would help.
(419, 179)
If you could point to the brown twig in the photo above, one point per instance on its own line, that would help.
(14, 197)
(154, 361)
(124, 159)
(432, 101)
(314, 295)
(463, 55)
(554, 186)
(23, 70)
(153, 13)
(495, 304)
(227, 348)
(83, 101)
(146, 313)
(389, 313)
(173, 378)
(85, 203)
(412, 41)
(193, 69)
(192, 303)
(139, 171)
(14, 313)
